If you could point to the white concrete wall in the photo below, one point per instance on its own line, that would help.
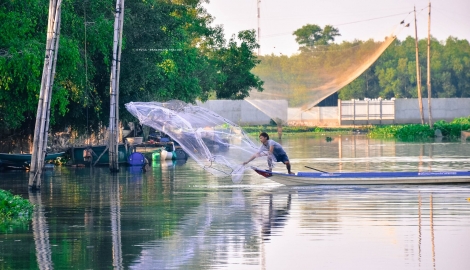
(242, 112)
(407, 110)
(317, 116)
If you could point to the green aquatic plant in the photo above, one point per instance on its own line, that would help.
(453, 128)
(14, 210)
(402, 132)
(421, 132)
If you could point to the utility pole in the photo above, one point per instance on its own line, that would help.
(418, 73)
(41, 129)
(113, 130)
(258, 2)
(429, 67)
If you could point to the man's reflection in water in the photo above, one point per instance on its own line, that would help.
(276, 217)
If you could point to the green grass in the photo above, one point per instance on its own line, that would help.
(270, 129)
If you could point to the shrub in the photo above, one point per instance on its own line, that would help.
(14, 207)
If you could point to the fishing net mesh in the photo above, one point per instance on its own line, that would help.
(218, 145)
(305, 79)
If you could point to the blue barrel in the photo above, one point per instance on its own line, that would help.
(136, 159)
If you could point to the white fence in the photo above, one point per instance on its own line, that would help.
(358, 112)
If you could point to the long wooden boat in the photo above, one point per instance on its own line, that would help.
(23, 160)
(365, 178)
(27, 157)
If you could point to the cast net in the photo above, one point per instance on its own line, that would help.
(217, 145)
(307, 78)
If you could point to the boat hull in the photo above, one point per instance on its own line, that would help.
(26, 157)
(99, 155)
(23, 160)
(366, 178)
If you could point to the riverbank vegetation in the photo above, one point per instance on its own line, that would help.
(409, 132)
(273, 129)
(449, 130)
(14, 210)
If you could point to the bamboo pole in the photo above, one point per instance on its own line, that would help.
(418, 75)
(116, 122)
(43, 111)
(429, 68)
(114, 91)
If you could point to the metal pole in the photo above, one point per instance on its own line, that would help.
(418, 75)
(429, 68)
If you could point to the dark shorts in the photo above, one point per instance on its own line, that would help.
(282, 158)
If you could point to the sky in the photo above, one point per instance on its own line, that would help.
(360, 19)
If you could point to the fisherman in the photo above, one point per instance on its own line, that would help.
(275, 152)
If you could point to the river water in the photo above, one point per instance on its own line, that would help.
(177, 216)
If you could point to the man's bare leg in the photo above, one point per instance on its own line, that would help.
(270, 163)
(288, 167)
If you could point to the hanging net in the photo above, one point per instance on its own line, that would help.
(307, 78)
(215, 143)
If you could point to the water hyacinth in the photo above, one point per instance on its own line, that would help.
(409, 132)
(14, 207)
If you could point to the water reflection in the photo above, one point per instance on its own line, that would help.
(378, 221)
(176, 216)
(221, 226)
(276, 217)
(432, 232)
(360, 153)
(115, 207)
(40, 232)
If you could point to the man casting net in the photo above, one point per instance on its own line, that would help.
(217, 145)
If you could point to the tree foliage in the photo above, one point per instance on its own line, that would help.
(170, 51)
(311, 35)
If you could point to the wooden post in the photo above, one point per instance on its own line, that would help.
(429, 68)
(114, 91)
(43, 112)
(418, 75)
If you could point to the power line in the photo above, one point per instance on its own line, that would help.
(377, 18)
(372, 19)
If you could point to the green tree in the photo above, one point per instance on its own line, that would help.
(170, 51)
(234, 64)
(311, 35)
